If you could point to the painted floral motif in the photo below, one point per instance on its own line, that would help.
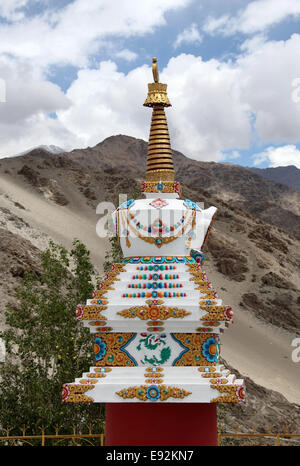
(157, 227)
(207, 369)
(218, 381)
(159, 260)
(241, 393)
(153, 393)
(160, 186)
(198, 256)
(104, 329)
(97, 322)
(158, 203)
(126, 204)
(79, 312)
(191, 205)
(75, 393)
(88, 381)
(65, 393)
(210, 350)
(153, 312)
(228, 313)
(165, 187)
(177, 188)
(99, 349)
(154, 302)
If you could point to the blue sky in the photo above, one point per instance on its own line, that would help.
(76, 72)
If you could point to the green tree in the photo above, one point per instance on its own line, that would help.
(46, 346)
(113, 255)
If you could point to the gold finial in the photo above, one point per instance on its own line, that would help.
(157, 92)
(159, 161)
(155, 70)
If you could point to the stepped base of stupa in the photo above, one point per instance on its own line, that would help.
(202, 384)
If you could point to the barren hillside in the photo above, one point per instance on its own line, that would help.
(254, 265)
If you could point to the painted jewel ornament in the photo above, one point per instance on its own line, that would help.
(156, 319)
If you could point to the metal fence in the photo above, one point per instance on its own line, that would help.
(43, 439)
(258, 438)
(92, 439)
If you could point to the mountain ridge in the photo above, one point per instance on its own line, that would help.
(288, 175)
(254, 265)
(272, 202)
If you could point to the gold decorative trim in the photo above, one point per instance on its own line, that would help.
(194, 356)
(92, 312)
(157, 94)
(158, 241)
(154, 374)
(154, 380)
(206, 370)
(76, 393)
(153, 312)
(153, 393)
(209, 293)
(231, 393)
(195, 269)
(98, 294)
(168, 187)
(113, 354)
(160, 175)
(216, 313)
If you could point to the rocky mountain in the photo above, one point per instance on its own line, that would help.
(253, 264)
(271, 202)
(289, 175)
(44, 147)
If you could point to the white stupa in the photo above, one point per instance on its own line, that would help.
(156, 319)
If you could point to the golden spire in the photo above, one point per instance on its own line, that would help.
(159, 162)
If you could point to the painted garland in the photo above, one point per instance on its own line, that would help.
(153, 392)
(158, 241)
(153, 312)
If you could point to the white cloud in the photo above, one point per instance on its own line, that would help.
(69, 35)
(127, 55)
(24, 117)
(257, 16)
(267, 74)
(188, 35)
(218, 105)
(208, 117)
(213, 25)
(11, 9)
(107, 102)
(74, 33)
(279, 156)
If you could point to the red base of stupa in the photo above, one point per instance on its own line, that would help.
(161, 424)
